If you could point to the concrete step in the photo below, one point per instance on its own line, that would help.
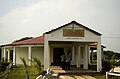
(76, 77)
(75, 71)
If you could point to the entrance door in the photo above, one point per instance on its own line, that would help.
(56, 56)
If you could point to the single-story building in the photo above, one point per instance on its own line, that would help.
(74, 37)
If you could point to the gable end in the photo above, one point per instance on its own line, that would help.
(74, 22)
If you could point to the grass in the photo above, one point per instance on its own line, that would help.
(20, 73)
(100, 76)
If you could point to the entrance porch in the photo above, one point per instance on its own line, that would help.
(80, 53)
(74, 71)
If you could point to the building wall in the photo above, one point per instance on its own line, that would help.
(88, 35)
(21, 52)
(37, 52)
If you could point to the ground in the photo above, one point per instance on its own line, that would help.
(19, 73)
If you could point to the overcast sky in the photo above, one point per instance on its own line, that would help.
(23, 18)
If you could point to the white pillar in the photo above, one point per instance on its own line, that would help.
(89, 54)
(99, 62)
(4, 53)
(14, 56)
(46, 52)
(73, 55)
(86, 58)
(29, 55)
(2, 56)
(78, 56)
(8, 55)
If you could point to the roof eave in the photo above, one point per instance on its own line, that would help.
(97, 33)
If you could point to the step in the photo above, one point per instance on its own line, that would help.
(76, 77)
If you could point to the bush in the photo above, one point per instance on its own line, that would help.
(37, 64)
(3, 64)
(106, 66)
(24, 62)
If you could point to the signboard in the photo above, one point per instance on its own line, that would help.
(73, 33)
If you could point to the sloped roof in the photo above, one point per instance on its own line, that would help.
(74, 22)
(33, 41)
(36, 41)
(40, 40)
(95, 44)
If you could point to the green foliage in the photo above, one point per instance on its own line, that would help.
(24, 62)
(112, 61)
(108, 55)
(18, 72)
(37, 64)
(25, 38)
(3, 64)
(106, 66)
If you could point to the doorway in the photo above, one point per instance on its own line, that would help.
(57, 52)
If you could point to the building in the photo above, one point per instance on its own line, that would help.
(74, 37)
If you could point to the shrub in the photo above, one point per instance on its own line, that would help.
(106, 66)
(37, 64)
(24, 62)
(3, 64)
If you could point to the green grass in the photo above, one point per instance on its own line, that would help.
(1, 73)
(19, 73)
(100, 76)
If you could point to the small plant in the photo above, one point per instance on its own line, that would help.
(37, 64)
(3, 64)
(24, 62)
(113, 62)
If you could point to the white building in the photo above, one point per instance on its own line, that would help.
(73, 36)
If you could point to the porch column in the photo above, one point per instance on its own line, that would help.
(46, 52)
(91, 56)
(78, 56)
(99, 63)
(14, 56)
(29, 55)
(4, 53)
(73, 55)
(86, 57)
(8, 55)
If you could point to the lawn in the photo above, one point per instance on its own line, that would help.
(19, 73)
(100, 76)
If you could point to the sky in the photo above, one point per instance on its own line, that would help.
(26, 18)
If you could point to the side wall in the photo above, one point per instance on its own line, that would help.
(37, 52)
(21, 52)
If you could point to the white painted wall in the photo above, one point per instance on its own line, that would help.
(37, 52)
(21, 52)
(58, 35)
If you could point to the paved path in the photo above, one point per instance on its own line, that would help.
(76, 77)
(58, 69)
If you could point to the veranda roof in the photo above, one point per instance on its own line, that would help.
(33, 41)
